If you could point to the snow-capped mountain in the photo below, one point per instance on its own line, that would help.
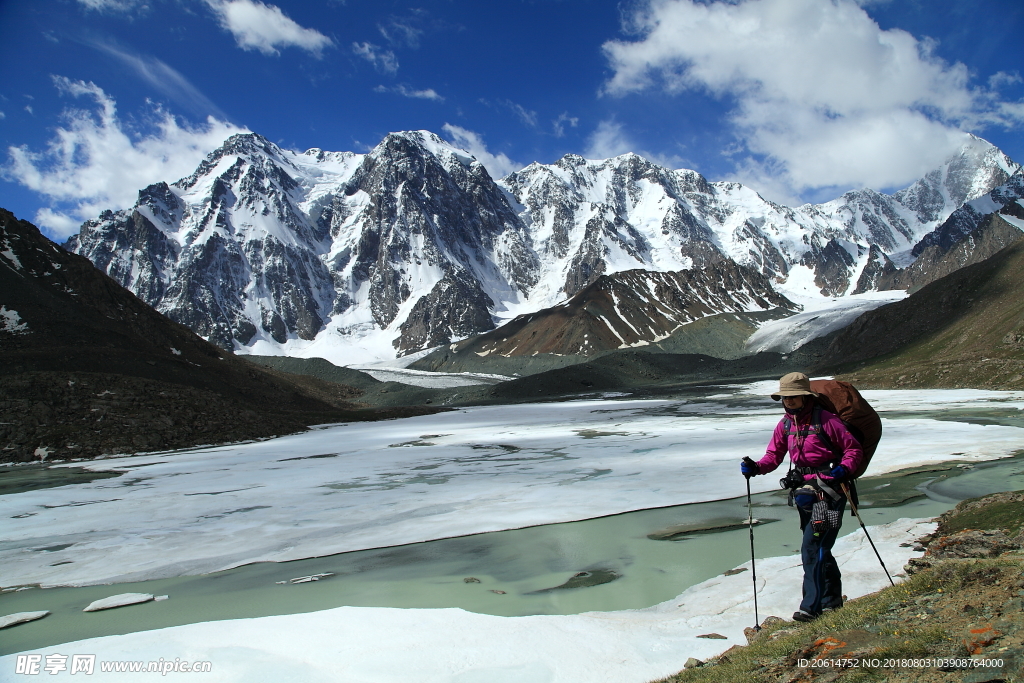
(356, 257)
(412, 242)
(974, 232)
(592, 217)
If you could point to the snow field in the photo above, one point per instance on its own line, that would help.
(367, 485)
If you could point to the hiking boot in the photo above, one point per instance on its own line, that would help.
(803, 616)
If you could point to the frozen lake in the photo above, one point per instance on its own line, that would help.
(360, 486)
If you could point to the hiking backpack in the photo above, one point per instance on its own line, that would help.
(844, 401)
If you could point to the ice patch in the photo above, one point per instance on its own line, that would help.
(388, 645)
(12, 321)
(492, 468)
(21, 618)
(820, 317)
(422, 378)
(9, 254)
(118, 601)
(1013, 220)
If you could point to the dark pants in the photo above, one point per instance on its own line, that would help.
(823, 584)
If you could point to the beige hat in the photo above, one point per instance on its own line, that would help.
(794, 384)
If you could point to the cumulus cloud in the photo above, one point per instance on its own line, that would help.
(405, 91)
(1002, 79)
(823, 97)
(498, 165)
(263, 27)
(610, 139)
(96, 162)
(383, 60)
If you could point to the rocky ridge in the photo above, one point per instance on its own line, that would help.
(90, 369)
(628, 309)
(414, 245)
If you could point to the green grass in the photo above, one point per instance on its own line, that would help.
(752, 663)
(1006, 515)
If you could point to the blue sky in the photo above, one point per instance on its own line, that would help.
(801, 99)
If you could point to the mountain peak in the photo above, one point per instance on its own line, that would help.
(414, 244)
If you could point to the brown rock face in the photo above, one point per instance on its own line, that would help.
(631, 308)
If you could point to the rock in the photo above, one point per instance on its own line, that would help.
(971, 543)
(692, 663)
(471, 579)
(118, 601)
(731, 572)
(916, 565)
(499, 592)
(754, 634)
(311, 577)
(21, 618)
(713, 636)
(584, 579)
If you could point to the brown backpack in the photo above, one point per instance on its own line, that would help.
(843, 400)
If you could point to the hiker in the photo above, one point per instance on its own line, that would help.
(819, 464)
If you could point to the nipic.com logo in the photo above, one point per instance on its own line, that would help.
(53, 664)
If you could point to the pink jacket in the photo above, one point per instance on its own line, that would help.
(811, 450)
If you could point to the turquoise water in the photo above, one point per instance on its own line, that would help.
(514, 571)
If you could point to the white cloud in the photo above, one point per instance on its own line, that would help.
(401, 32)
(610, 140)
(164, 79)
(404, 91)
(498, 165)
(110, 5)
(2, 116)
(559, 124)
(95, 163)
(383, 61)
(527, 116)
(823, 96)
(1001, 79)
(258, 26)
(28, 108)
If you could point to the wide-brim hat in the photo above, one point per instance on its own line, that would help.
(794, 384)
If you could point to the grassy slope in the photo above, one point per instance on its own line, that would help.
(955, 608)
(964, 330)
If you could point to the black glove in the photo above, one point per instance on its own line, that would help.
(748, 468)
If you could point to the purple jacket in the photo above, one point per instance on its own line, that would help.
(811, 450)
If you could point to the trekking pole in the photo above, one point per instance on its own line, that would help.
(753, 569)
(853, 507)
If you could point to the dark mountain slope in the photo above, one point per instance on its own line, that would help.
(992, 234)
(629, 308)
(88, 368)
(963, 330)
